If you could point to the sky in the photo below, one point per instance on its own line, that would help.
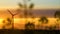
(40, 4)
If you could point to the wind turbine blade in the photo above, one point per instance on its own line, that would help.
(10, 12)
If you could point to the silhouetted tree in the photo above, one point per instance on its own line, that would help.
(57, 15)
(26, 7)
(43, 20)
(9, 21)
(29, 26)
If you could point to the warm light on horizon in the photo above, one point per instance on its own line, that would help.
(20, 22)
(23, 20)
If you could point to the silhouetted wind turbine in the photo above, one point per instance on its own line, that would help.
(12, 17)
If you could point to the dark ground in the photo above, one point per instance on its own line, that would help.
(5, 31)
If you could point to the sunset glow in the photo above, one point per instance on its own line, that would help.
(11, 9)
(22, 21)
